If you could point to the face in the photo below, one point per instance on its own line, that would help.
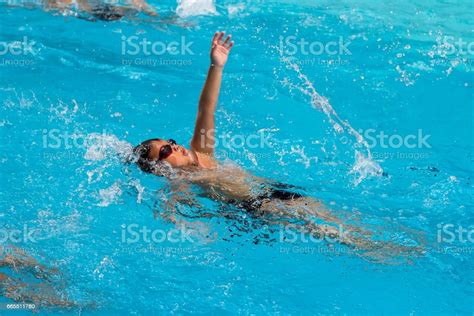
(176, 155)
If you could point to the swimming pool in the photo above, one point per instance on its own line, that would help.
(368, 106)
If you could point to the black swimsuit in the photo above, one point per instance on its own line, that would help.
(278, 191)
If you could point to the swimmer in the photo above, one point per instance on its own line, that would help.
(262, 198)
(96, 10)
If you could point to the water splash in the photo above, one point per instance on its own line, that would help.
(65, 111)
(107, 149)
(110, 195)
(21, 100)
(102, 145)
(187, 8)
(364, 166)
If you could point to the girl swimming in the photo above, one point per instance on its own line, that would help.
(262, 198)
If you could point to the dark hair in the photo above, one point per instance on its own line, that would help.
(142, 152)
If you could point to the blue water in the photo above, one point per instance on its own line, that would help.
(400, 78)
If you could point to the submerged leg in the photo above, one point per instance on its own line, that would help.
(361, 240)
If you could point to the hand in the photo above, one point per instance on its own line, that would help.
(220, 50)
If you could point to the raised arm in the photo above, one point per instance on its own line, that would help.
(203, 138)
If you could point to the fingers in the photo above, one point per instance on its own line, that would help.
(227, 40)
(217, 40)
(227, 43)
(214, 39)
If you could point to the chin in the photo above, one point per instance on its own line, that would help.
(181, 162)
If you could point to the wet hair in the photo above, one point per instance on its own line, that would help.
(142, 152)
